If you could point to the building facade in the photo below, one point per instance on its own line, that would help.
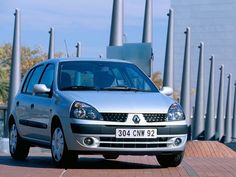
(214, 23)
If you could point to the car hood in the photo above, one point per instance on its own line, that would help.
(121, 101)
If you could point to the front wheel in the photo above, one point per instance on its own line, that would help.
(170, 160)
(19, 149)
(60, 154)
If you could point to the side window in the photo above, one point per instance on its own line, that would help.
(48, 76)
(27, 80)
(34, 79)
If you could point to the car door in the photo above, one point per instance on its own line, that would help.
(43, 104)
(22, 104)
(25, 106)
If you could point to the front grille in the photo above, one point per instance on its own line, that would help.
(112, 142)
(155, 117)
(122, 117)
(115, 117)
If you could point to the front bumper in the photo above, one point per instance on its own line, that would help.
(105, 141)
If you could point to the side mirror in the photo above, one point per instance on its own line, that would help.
(41, 88)
(168, 91)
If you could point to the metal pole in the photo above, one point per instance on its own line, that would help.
(78, 50)
(169, 59)
(15, 77)
(148, 22)
(117, 23)
(51, 49)
(198, 120)
(234, 116)
(220, 108)
(228, 116)
(210, 115)
(185, 88)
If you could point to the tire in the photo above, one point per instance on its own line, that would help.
(113, 156)
(61, 156)
(170, 160)
(19, 149)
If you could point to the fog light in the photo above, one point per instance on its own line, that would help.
(88, 141)
(178, 141)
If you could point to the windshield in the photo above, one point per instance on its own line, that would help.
(97, 75)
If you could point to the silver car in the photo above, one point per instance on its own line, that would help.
(95, 106)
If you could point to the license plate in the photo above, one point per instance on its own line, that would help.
(136, 133)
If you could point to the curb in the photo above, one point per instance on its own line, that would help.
(4, 145)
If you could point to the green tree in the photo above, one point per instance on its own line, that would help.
(157, 80)
(3, 85)
(29, 57)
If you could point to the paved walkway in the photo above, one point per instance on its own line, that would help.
(202, 159)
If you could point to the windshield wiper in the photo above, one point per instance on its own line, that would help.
(79, 87)
(122, 88)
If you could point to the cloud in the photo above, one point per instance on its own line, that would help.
(39, 14)
(83, 13)
(85, 20)
(160, 8)
(163, 7)
(134, 14)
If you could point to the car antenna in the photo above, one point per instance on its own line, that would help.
(67, 53)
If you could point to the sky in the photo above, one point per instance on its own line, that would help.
(85, 21)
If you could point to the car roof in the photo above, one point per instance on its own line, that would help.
(58, 60)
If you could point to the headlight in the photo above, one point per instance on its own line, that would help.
(80, 110)
(175, 113)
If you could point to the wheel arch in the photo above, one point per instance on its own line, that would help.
(55, 122)
(10, 121)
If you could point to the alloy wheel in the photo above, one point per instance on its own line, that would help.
(57, 144)
(13, 138)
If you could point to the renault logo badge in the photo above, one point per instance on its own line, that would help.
(136, 119)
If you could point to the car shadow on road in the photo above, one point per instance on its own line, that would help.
(82, 163)
(101, 163)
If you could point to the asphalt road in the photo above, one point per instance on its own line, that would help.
(202, 158)
(39, 164)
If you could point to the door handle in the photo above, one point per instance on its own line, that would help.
(32, 106)
(17, 103)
